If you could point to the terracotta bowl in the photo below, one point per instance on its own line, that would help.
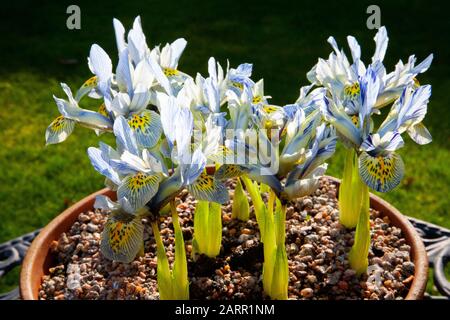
(39, 259)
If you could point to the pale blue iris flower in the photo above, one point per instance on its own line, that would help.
(341, 77)
(239, 78)
(208, 95)
(134, 170)
(354, 129)
(71, 113)
(379, 166)
(304, 178)
(177, 122)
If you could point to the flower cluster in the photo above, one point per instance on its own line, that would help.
(356, 92)
(169, 126)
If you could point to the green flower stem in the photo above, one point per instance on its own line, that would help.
(358, 256)
(258, 204)
(172, 285)
(207, 229)
(180, 272)
(275, 268)
(241, 208)
(215, 229)
(350, 191)
(163, 269)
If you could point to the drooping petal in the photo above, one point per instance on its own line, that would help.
(106, 204)
(102, 166)
(89, 85)
(138, 189)
(167, 190)
(381, 173)
(147, 128)
(229, 171)
(122, 237)
(87, 118)
(420, 134)
(59, 130)
(209, 189)
(306, 185)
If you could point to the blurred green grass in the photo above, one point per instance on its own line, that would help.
(282, 39)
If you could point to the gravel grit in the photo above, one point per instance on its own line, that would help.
(317, 247)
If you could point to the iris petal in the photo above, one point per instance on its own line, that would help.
(147, 128)
(138, 189)
(229, 171)
(209, 189)
(122, 238)
(59, 130)
(89, 85)
(381, 173)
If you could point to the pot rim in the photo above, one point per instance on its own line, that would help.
(38, 260)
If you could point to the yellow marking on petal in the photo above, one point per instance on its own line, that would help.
(139, 121)
(58, 123)
(91, 82)
(169, 72)
(228, 171)
(102, 110)
(120, 234)
(355, 120)
(208, 188)
(352, 91)
(140, 180)
(205, 182)
(416, 83)
(237, 85)
(382, 173)
(270, 109)
(257, 99)
(225, 150)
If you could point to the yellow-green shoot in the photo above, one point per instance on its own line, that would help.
(240, 207)
(350, 191)
(272, 229)
(207, 229)
(358, 256)
(172, 285)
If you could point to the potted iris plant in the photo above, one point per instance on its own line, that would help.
(212, 157)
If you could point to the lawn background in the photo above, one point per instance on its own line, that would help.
(282, 39)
